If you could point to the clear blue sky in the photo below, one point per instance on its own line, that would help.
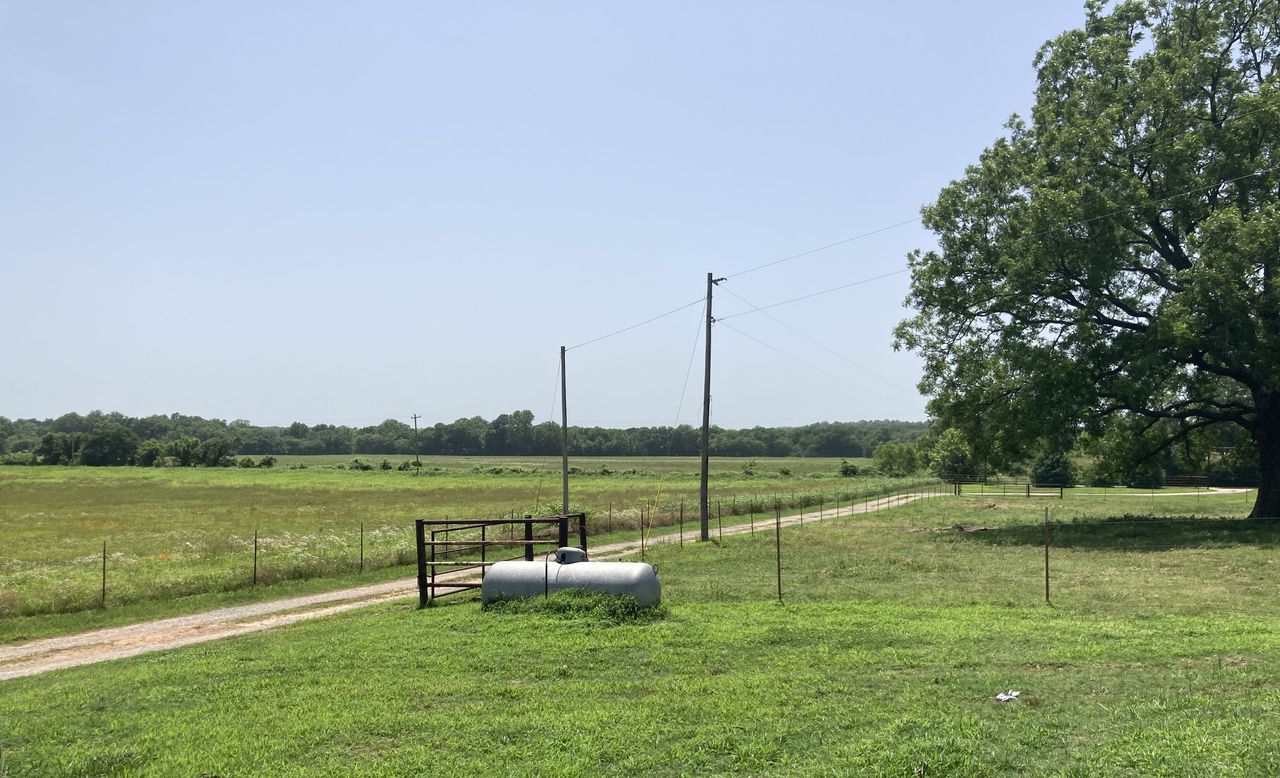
(340, 212)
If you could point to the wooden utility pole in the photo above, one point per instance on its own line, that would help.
(417, 450)
(706, 419)
(564, 433)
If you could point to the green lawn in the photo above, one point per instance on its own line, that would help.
(1159, 656)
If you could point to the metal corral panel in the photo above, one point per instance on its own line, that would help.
(509, 580)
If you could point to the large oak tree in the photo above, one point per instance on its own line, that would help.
(1113, 260)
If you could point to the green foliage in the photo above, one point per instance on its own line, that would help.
(267, 461)
(951, 454)
(848, 469)
(185, 451)
(896, 459)
(1053, 468)
(510, 434)
(1144, 475)
(57, 448)
(110, 445)
(245, 462)
(1113, 257)
(150, 453)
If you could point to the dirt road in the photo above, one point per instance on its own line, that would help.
(39, 656)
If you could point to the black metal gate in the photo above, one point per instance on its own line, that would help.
(454, 545)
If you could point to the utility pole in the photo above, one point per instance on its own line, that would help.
(564, 433)
(705, 517)
(417, 450)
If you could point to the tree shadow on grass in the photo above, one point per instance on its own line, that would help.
(1132, 533)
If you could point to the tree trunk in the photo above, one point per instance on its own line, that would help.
(1266, 435)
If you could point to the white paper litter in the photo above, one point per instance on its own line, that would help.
(1007, 696)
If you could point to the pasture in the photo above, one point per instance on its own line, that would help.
(1158, 655)
(183, 538)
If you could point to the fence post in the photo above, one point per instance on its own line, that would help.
(104, 574)
(1046, 555)
(421, 545)
(582, 531)
(719, 525)
(528, 537)
(682, 524)
(255, 557)
(562, 539)
(484, 543)
(362, 546)
(777, 543)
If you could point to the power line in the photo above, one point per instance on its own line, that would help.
(1152, 142)
(876, 231)
(830, 351)
(1149, 142)
(809, 365)
(634, 326)
(763, 308)
(1130, 209)
(688, 372)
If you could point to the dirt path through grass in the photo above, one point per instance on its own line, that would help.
(39, 656)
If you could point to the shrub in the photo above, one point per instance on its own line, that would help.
(267, 461)
(848, 469)
(360, 464)
(1053, 469)
(1147, 475)
(246, 462)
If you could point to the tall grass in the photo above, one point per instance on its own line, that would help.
(171, 533)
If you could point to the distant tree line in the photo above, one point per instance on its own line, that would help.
(99, 438)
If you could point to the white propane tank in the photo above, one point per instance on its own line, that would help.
(509, 580)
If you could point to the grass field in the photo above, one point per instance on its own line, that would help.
(1159, 656)
(174, 533)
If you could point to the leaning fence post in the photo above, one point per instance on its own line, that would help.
(1046, 555)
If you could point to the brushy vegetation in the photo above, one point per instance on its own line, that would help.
(896, 632)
